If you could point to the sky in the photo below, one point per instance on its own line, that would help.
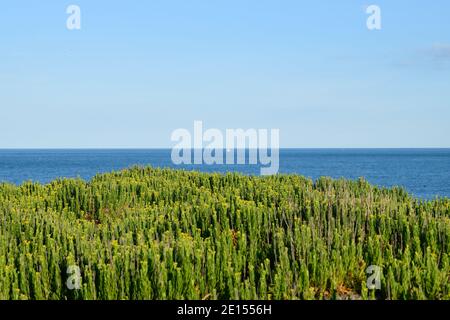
(138, 70)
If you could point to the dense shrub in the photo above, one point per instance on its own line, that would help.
(149, 233)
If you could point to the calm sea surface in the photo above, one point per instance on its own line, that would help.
(423, 172)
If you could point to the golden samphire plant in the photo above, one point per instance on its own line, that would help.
(148, 233)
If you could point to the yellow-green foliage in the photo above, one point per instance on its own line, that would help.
(149, 233)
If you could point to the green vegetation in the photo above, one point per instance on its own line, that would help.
(149, 233)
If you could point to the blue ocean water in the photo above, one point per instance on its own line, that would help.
(423, 172)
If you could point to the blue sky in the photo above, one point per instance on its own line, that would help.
(137, 70)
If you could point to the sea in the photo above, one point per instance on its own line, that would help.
(425, 173)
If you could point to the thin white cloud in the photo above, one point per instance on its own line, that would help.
(440, 52)
(436, 56)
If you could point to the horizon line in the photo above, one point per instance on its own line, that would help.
(170, 148)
